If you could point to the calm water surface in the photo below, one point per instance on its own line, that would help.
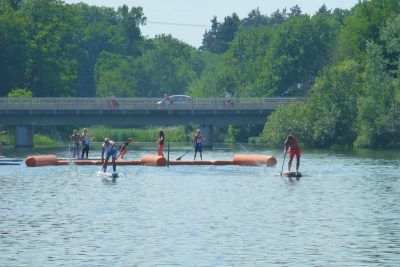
(345, 211)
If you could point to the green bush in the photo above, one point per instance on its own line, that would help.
(41, 140)
(172, 134)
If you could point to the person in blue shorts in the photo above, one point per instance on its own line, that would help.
(198, 147)
(110, 151)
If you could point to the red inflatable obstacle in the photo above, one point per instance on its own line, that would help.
(254, 160)
(152, 160)
(37, 161)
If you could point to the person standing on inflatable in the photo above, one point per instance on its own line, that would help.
(110, 151)
(293, 147)
(198, 146)
(161, 144)
(85, 143)
(75, 143)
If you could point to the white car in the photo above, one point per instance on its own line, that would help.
(176, 100)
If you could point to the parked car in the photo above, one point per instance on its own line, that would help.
(176, 100)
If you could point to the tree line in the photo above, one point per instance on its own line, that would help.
(346, 62)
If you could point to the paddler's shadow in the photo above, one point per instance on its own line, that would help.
(290, 179)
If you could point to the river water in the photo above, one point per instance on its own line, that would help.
(345, 211)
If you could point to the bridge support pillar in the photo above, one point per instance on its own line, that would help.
(24, 136)
(206, 131)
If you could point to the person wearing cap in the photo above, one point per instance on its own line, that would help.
(122, 149)
(198, 147)
(110, 151)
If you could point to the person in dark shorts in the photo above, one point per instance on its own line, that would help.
(85, 143)
(123, 149)
(198, 146)
(75, 143)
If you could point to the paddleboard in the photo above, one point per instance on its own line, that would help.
(106, 175)
(9, 163)
(293, 174)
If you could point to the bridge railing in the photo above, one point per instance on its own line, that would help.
(93, 103)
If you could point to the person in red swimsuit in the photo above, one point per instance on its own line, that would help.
(293, 147)
(161, 144)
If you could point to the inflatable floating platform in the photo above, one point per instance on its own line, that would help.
(152, 160)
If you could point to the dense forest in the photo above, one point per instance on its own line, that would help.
(346, 62)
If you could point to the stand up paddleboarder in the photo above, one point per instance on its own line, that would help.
(110, 151)
(293, 148)
(198, 146)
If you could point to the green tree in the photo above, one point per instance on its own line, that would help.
(167, 65)
(13, 50)
(362, 24)
(115, 73)
(19, 93)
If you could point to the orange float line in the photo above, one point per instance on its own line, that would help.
(186, 162)
(153, 160)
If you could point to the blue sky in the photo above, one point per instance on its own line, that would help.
(200, 12)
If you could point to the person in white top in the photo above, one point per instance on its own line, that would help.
(228, 99)
(85, 143)
(110, 151)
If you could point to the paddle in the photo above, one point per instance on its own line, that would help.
(190, 149)
(283, 163)
(184, 154)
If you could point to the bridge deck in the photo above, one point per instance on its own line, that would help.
(43, 103)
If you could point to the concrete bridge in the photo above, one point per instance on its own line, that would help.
(27, 113)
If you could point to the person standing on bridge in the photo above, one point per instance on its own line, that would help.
(228, 100)
(75, 143)
(293, 147)
(85, 143)
(198, 146)
(161, 143)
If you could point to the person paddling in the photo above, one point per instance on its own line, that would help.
(293, 147)
(110, 151)
(123, 148)
(198, 146)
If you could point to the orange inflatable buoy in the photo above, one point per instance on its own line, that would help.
(46, 160)
(254, 160)
(153, 160)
